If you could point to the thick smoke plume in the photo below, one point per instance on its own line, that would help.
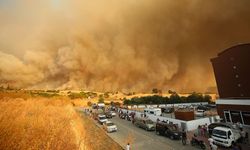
(133, 45)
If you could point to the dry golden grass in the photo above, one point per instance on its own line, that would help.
(46, 123)
(96, 138)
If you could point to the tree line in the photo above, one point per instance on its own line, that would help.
(173, 99)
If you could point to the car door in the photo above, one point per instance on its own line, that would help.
(167, 133)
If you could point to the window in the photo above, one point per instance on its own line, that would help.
(246, 117)
(227, 116)
(229, 134)
(235, 116)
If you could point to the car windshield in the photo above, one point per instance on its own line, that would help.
(173, 128)
(102, 118)
(110, 124)
(220, 134)
(149, 121)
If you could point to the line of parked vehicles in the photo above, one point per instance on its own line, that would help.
(223, 134)
(103, 117)
(161, 128)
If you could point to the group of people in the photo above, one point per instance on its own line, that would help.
(203, 130)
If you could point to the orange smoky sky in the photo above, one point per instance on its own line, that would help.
(133, 45)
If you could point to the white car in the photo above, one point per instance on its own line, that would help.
(109, 126)
(102, 119)
(113, 113)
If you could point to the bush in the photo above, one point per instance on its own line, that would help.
(89, 103)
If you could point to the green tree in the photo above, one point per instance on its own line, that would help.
(101, 100)
(207, 98)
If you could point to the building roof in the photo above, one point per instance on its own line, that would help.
(231, 49)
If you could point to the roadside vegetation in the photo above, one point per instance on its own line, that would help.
(80, 95)
(37, 121)
(173, 99)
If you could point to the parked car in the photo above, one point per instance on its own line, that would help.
(167, 109)
(200, 113)
(225, 136)
(109, 126)
(113, 113)
(108, 115)
(102, 119)
(211, 106)
(169, 130)
(202, 107)
(94, 106)
(144, 123)
(123, 116)
(217, 124)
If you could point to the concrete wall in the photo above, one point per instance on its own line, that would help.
(168, 105)
(193, 124)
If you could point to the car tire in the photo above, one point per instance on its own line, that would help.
(203, 146)
(192, 143)
(157, 132)
(171, 137)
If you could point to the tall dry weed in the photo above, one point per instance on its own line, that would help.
(39, 124)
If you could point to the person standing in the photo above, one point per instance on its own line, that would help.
(128, 147)
(243, 135)
(206, 130)
(212, 145)
(184, 137)
(199, 130)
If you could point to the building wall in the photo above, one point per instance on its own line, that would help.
(234, 108)
(221, 107)
(232, 72)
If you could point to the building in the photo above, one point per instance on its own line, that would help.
(232, 73)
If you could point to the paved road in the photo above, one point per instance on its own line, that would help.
(143, 140)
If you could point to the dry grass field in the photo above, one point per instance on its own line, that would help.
(40, 123)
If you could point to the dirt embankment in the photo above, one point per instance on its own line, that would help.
(96, 138)
(46, 123)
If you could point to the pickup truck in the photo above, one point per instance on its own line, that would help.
(225, 136)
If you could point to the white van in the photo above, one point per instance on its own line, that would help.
(153, 111)
(101, 105)
(225, 136)
(200, 113)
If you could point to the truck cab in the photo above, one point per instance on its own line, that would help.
(225, 136)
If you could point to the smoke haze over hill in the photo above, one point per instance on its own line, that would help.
(117, 45)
